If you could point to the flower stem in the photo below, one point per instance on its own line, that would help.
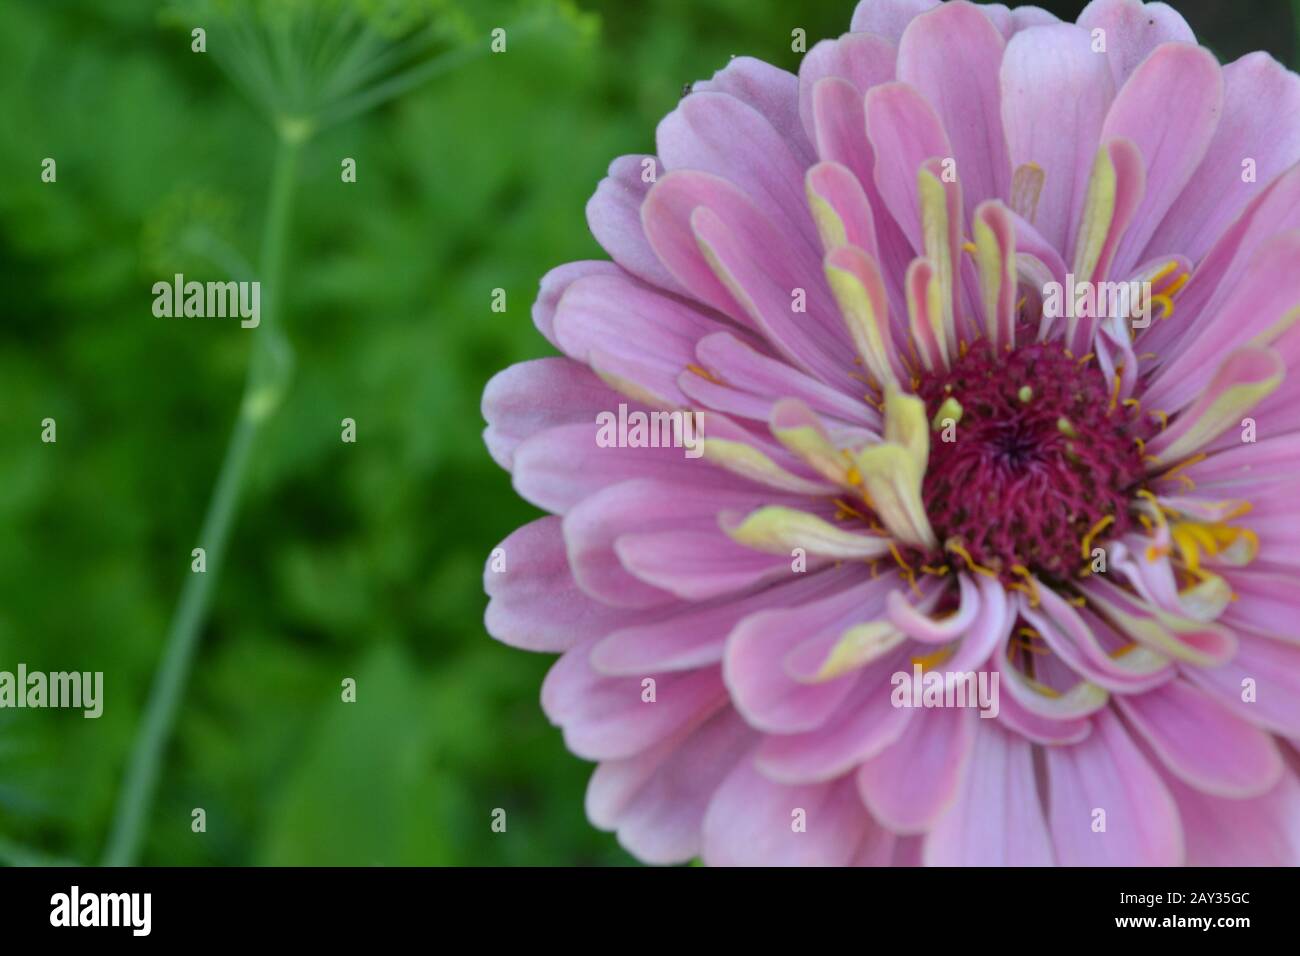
(263, 386)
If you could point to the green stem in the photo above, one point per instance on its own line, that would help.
(262, 387)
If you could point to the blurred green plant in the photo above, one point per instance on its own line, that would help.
(308, 64)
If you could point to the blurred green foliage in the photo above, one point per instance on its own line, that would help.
(360, 560)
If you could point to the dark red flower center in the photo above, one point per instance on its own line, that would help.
(1042, 459)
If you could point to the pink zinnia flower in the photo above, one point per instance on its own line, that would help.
(913, 461)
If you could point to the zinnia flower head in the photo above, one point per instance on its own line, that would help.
(989, 321)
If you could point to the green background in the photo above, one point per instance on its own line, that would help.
(347, 560)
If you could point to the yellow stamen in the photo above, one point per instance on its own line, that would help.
(847, 509)
(1155, 506)
(1166, 305)
(933, 659)
(1029, 647)
(1211, 538)
(704, 373)
(1164, 270)
(1031, 584)
(958, 549)
(1096, 529)
(1185, 463)
(908, 574)
(1024, 588)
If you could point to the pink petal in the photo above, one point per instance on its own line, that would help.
(1263, 831)
(1246, 469)
(593, 528)
(1172, 142)
(553, 286)
(989, 630)
(878, 847)
(1202, 742)
(1276, 209)
(755, 822)
(840, 121)
(1204, 420)
(996, 819)
(1132, 30)
(761, 688)
(1256, 91)
(815, 341)
(656, 800)
(864, 724)
(535, 604)
(607, 718)
(904, 131)
(1075, 636)
(839, 188)
(913, 781)
(1024, 17)
(1267, 604)
(631, 333)
(557, 468)
(744, 369)
(952, 55)
(1264, 670)
(863, 60)
(751, 270)
(698, 565)
(1041, 730)
(697, 637)
(1257, 305)
(719, 134)
(888, 18)
(1130, 188)
(1203, 641)
(1107, 772)
(1045, 67)
(771, 91)
(917, 624)
(614, 216)
(530, 397)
